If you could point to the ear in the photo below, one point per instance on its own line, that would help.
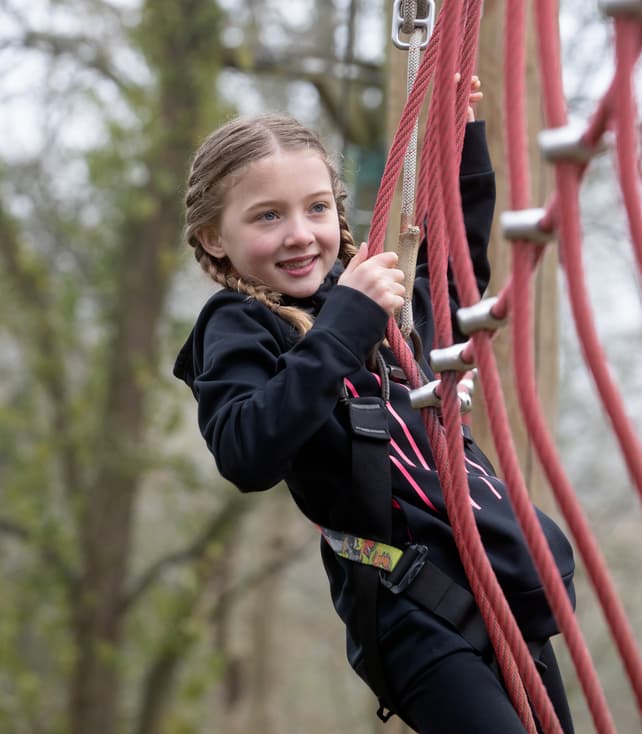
(211, 242)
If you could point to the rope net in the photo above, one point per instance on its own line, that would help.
(453, 48)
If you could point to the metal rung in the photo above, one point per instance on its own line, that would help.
(621, 7)
(478, 316)
(468, 383)
(449, 358)
(465, 402)
(426, 397)
(565, 144)
(523, 224)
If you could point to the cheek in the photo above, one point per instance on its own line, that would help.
(257, 249)
(261, 245)
(333, 238)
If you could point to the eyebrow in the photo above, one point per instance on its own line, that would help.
(267, 203)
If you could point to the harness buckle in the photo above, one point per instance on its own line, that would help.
(406, 569)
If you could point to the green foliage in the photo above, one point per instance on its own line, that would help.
(75, 454)
(111, 532)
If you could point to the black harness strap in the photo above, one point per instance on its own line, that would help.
(414, 574)
(371, 482)
(429, 587)
(371, 487)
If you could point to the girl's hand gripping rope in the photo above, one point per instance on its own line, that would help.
(377, 277)
(476, 95)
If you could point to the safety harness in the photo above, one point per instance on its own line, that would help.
(376, 562)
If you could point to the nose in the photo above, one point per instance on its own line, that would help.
(299, 232)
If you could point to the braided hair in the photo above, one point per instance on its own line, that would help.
(218, 164)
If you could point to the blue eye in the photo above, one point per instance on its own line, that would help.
(319, 207)
(270, 216)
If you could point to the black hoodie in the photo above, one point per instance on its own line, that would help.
(269, 409)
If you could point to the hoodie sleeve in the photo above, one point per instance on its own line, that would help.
(477, 191)
(258, 401)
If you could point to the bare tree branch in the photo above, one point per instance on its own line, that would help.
(78, 47)
(162, 672)
(290, 556)
(33, 287)
(9, 527)
(46, 551)
(329, 77)
(193, 552)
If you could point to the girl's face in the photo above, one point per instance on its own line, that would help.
(279, 223)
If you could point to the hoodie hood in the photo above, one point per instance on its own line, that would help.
(188, 361)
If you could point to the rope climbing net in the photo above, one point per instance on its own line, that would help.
(452, 48)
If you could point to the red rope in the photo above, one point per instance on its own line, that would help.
(588, 549)
(567, 184)
(515, 659)
(628, 42)
(452, 48)
(523, 359)
(403, 133)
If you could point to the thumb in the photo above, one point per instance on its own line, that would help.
(359, 257)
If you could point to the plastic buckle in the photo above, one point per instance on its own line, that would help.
(406, 570)
(425, 24)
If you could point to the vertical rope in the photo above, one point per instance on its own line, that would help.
(440, 159)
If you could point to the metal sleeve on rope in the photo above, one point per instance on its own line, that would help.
(408, 248)
(566, 144)
(449, 359)
(400, 24)
(615, 8)
(479, 317)
(523, 224)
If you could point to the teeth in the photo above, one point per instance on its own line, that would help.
(295, 264)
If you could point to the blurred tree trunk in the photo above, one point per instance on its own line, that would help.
(267, 658)
(143, 278)
(88, 419)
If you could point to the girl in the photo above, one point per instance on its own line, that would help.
(286, 365)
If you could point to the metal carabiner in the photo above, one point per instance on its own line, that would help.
(426, 24)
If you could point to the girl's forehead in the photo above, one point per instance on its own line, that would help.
(297, 168)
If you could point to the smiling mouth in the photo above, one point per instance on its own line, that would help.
(300, 263)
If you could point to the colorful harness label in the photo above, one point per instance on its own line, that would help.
(361, 550)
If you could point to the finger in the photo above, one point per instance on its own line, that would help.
(387, 259)
(359, 257)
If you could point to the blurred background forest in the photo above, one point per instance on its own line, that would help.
(140, 594)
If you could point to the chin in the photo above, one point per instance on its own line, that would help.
(302, 292)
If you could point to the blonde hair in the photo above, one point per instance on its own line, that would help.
(226, 152)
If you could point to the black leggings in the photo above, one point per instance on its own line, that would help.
(461, 693)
